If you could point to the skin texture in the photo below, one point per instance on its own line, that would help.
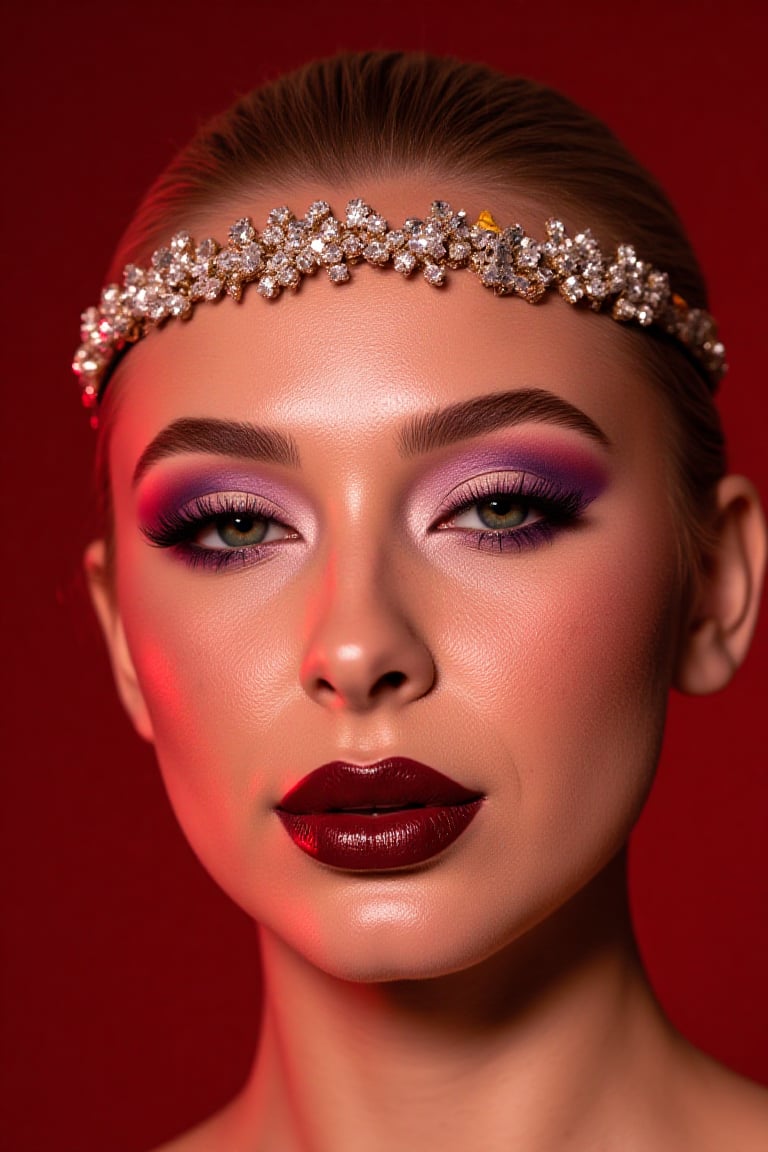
(492, 994)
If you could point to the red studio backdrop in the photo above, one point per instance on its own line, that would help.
(130, 984)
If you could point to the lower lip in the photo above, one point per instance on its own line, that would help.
(382, 840)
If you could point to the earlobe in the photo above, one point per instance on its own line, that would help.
(105, 604)
(725, 612)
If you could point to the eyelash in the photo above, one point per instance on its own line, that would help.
(177, 528)
(558, 508)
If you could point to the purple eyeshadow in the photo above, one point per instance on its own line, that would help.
(569, 469)
(163, 494)
(563, 466)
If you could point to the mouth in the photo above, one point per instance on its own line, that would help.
(391, 814)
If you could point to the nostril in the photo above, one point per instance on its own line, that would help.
(388, 680)
(325, 692)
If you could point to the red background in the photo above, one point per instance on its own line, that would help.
(130, 984)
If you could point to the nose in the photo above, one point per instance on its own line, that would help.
(362, 650)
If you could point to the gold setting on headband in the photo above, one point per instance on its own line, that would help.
(185, 274)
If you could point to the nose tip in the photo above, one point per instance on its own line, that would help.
(386, 665)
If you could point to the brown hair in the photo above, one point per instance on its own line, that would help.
(390, 113)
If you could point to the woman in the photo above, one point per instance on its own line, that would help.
(397, 577)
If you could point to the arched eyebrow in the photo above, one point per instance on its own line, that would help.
(220, 438)
(488, 413)
(419, 434)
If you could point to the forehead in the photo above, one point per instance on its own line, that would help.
(348, 360)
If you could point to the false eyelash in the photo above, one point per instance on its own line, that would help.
(176, 528)
(559, 507)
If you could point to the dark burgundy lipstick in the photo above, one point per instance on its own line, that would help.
(374, 816)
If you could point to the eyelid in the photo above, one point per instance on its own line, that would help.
(187, 502)
(467, 492)
(179, 524)
(172, 487)
(233, 500)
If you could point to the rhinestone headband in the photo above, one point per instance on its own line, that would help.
(184, 274)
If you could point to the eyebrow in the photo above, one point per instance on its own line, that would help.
(220, 438)
(419, 435)
(488, 413)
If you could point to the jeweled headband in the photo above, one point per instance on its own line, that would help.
(184, 274)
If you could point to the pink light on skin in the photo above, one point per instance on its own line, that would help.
(533, 678)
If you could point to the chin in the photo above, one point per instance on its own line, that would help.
(384, 936)
(382, 964)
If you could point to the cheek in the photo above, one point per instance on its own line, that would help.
(211, 653)
(567, 657)
(553, 665)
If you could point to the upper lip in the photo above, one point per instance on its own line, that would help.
(394, 783)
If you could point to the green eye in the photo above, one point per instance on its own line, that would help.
(241, 531)
(502, 511)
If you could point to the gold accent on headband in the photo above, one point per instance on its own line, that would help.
(486, 221)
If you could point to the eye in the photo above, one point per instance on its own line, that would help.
(498, 511)
(223, 528)
(240, 530)
(510, 511)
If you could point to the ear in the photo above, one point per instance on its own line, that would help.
(105, 602)
(724, 612)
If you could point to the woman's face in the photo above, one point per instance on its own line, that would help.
(494, 594)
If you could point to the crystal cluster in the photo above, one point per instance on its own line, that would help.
(508, 261)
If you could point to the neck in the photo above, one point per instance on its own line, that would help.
(533, 1044)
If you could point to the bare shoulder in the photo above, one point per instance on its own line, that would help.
(726, 1110)
(745, 1114)
(212, 1135)
(186, 1142)
(703, 1107)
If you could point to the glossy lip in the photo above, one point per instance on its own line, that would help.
(371, 817)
